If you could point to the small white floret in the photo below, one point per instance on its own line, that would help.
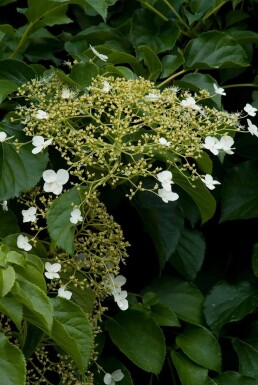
(99, 55)
(23, 243)
(52, 270)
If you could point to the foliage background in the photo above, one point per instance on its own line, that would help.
(192, 269)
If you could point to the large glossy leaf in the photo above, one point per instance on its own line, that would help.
(182, 297)
(189, 254)
(214, 49)
(7, 279)
(12, 307)
(235, 378)
(61, 230)
(83, 73)
(201, 346)
(16, 71)
(151, 60)
(248, 356)
(228, 303)
(139, 338)
(72, 331)
(12, 363)
(163, 221)
(6, 87)
(240, 192)
(188, 372)
(19, 171)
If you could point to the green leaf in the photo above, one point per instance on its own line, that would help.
(135, 334)
(205, 163)
(110, 365)
(158, 36)
(240, 192)
(6, 87)
(200, 345)
(19, 171)
(199, 194)
(180, 296)
(72, 331)
(12, 363)
(163, 222)
(60, 228)
(37, 307)
(83, 73)
(248, 357)
(16, 258)
(31, 274)
(229, 303)
(7, 279)
(8, 223)
(255, 259)
(16, 71)
(243, 36)
(214, 49)
(33, 337)
(234, 378)
(188, 372)
(171, 62)
(189, 255)
(124, 57)
(11, 306)
(151, 60)
(164, 316)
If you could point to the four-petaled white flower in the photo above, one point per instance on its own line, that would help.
(99, 55)
(211, 143)
(106, 86)
(167, 196)
(165, 178)
(66, 93)
(23, 243)
(250, 109)
(226, 143)
(4, 206)
(152, 97)
(120, 298)
(219, 90)
(114, 284)
(54, 181)
(190, 103)
(42, 115)
(52, 270)
(209, 181)
(76, 216)
(64, 293)
(29, 215)
(164, 142)
(111, 379)
(40, 143)
(252, 128)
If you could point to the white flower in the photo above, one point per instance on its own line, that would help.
(99, 55)
(66, 93)
(40, 144)
(164, 142)
(211, 143)
(54, 181)
(23, 243)
(115, 283)
(52, 270)
(42, 114)
(120, 298)
(76, 216)
(219, 90)
(167, 196)
(250, 109)
(225, 144)
(165, 178)
(252, 128)
(190, 103)
(64, 293)
(111, 379)
(152, 97)
(3, 136)
(106, 87)
(29, 215)
(4, 206)
(210, 182)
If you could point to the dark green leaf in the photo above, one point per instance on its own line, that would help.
(110, 365)
(83, 73)
(7, 279)
(234, 378)
(8, 223)
(72, 331)
(248, 357)
(188, 372)
(6, 87)
(163, 221)
(200, 345)
(255, 259)
(164, 316)
(240, 192)
(229, 303)
(16, 71)
(189, 254)
(134, 333)
(61, 230)
(33, 337)
(214, 49)
(171, 62)
(180, 296)
(11, 306)
(12, 363)
(151, 60)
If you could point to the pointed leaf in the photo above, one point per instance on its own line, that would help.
(7, 279)
(16, 71)
(234, 378)
(151, 61)
(83, 73)
(188, 372)
(6, 87)
(72, 331)
(248, 357)
(136, 334)
(11, 306)
(12, 363)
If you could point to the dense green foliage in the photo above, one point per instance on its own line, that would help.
(192, 264)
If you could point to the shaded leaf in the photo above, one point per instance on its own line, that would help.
(11, 306)
(235, 378)
(12, 363)
(16, 71)
(7, 279)
(188, 372)
(248, 356)
(83, 73)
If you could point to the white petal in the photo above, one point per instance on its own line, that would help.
(99, 55)
(37, 150)
(37, 140)
(57, 188)
(119, 280)
(62, 176)
(64, 293)
(117, 375)
(122, 304)
(107, 379)
(3, 136)
(164, 176)
(49, 176)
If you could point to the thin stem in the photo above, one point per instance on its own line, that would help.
(171, 78)
(171, 370)
(151, 379)
(208, 14)
(147, 5)
(176, 14)
(241, 85)
(23, 40)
